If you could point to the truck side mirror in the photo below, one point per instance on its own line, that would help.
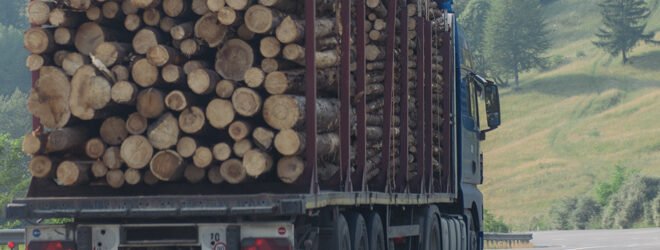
(492, 105)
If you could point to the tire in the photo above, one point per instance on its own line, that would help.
(357, 227)
(431, 237)
(342, 234)
(375, 232)
(446, 233)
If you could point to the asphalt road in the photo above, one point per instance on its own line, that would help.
(647, 238)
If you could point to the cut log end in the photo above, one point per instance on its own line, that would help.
(233, 171)
(290, 168)
(71, 173)
(220, 113)
(257, 162)
(288, 142)
(202, 157)
(186, 146)
(246, 102)
(41, 166)
(221, 151)
(136, 150)
(166, 165)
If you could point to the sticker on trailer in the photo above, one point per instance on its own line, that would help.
(220, 246)
(213, 237)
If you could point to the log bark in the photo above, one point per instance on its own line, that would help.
(241, 147)
(89, 93)
(38, 40)
(233, 59)
(202, 157)
(246, 102)
(239, 129)
(164, 132)
(99, 170)
(64, 36)
(167, 165)
(112, 158)
(124, 92)
(257, 163)
(186, 146)
(115, 178)
(41, 166)
(113, 130)
(290, 168)
(132, 176)
(261, 19)
(71, 173)
(66, 138)
(160, 55)
(176, 8)
(150, 103)
(288, 111)
(202, 81)
(145, 39)
(136, 124)
(136, 151)
(254, 77)
(269, 47)
(209, 29)
(263, 138)
(220, 113)
(221, 151)
(280, 82)
(225, 88)
(173, 74)
(111, 53)
(192, 120)
(94, 148)
(194, 174)
(233, 171)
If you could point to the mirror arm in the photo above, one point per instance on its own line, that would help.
(482, 133)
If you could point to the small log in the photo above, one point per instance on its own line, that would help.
(269, 47)
(132, 22)
(90, 35)
(186, 146)
(326, 43)
(244, 33)
(220, 113)
(192, 120)
(246, 102)
(124, 92)
(280, 4)
(113, 130)
(287, 111)
(115, 178)
(199, 7)
(233, 59)
(254, 77)
(59, 56)
(239, 129)
(225, 88)
(149, 178)
(202, 81)
(160, 55)
(38, 11)
(176, 8)
(73, 61)
(256, 162)
(49, 99)
(64, 36)
(233, 171)
(228, 16)
(112, 158)
(150, 103)
(241, 147)
(377, 7)
(112, 10)
(128, 8)
(178, 100)
(95, 14)
(145, 3)
(89, 92)
(182, 31)
(221, 151)
(289, 142)
(269, 65)
(239, 4)
(324, 59)
(152, 16)
(173, 74)
(215, 5)
(79, 4)
(136, 151)
(164, 132)
(111, 53)
(263, 138)
(209, 29)
(279, 82)
(167, 165)
(66, 138)
(121, 72)
(261, 19)
(71, 173)
(194, 174)
(41, 166)
(94, 148)
(38, 40)
(374, 53)
(99, 170)
(214, 175)
(34, 62)
(290, 168)
(34, 142)
(202, 157)
(136, 124)
(132, 176)
(145, 39)
(290, 31)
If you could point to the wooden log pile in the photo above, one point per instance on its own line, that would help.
(148, 91)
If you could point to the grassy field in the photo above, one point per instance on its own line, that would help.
(564, 130)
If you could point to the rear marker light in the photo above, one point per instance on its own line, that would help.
(266, 244)
(51, 245)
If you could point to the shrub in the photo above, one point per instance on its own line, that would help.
(585, 210)
(560, 213)
(627, 206)
(491, 224)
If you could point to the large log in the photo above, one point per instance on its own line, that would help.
(173, 74)
(132, 22)
(145, 3)
(38, 11)
(144, 73)
(269, 47)
(246, 102)
(199, 7)
(164, 132)
(215, 5)
(34, 142)
(241, 147)
(239, 4)
(192, 47)
(113, 130)
(178, 100)
(34, 62)
(112, 10)
(132, 176)
(228, 16)
(220, 113)
(71, 173)
(73, 61)
(41, 166)
(288, 111)
(121, 72)
(182, 31)
(257, 163)
(269, 65)
(152, 16)
(64, 18)
(167, 165)
(99, 170)
(209, 29)
(233, 59)
(136, 151)
(67, 138)
(38, 40)
(79, 4)
(261, 19)
(89, 93)
(233, 171)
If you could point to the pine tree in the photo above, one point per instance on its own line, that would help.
(624, 23)
(515, 37)
(473, 20)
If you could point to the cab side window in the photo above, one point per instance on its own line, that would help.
(472, 101)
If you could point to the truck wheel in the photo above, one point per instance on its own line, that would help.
(431, 239)
(375, 232)
(358, 230)
(343, 234)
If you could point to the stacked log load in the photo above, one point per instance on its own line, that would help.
(148, 91)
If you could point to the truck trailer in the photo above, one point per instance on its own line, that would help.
(438, 206)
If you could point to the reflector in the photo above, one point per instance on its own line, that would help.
(266, 244)
(51, 245)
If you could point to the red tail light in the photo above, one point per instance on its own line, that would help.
(266, 244)
(11, 245)
(51, 245)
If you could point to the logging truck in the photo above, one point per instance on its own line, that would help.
(253, 124)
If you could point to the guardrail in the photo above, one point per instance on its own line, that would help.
(12, 235)
(508, 240)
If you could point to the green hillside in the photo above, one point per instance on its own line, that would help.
(564, 130)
